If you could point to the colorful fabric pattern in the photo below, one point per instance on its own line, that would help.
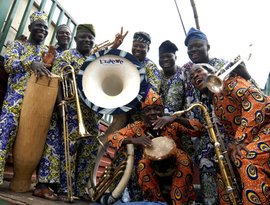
(182, 190)
(82, 151)
(174, 131)
(153, 74)
(38, 16)
(172, 91)
(244, 112)
(20, 55)
(173, 94)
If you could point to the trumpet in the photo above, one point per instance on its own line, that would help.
(214, 82)
(101, 46)
(223, 162)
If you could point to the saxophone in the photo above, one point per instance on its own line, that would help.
(226, 171)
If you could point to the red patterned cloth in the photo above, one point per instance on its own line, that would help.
(244, 111)
(182, 190)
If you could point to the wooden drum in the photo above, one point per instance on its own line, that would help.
(161, 154)
(37, 108)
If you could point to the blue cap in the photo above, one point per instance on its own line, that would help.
(194, 34)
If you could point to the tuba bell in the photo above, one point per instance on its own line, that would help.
(112, 82)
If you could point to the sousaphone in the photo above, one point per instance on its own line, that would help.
(111, 82)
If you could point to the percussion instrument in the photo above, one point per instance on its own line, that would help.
(162, 148)
(161, 154)
(35, 116)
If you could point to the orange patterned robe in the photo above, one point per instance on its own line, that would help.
(244, 111)
(182, 191)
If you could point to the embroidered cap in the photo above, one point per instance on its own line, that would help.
(142, 37)
(194, 34)
(38, 15)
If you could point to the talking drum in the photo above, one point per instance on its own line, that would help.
(161, 154)
(35, 116)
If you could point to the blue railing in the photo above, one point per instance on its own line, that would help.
(9, 9)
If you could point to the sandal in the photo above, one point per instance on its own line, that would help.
(45, 193)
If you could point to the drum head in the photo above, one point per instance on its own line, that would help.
(112, 82)
(161, 148)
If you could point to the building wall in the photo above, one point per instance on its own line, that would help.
(267, 86)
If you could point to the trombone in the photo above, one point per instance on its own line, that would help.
(70, 94)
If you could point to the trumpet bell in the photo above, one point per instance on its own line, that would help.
(214, 83)
(112, 81)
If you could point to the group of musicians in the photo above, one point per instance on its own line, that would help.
(241, 109)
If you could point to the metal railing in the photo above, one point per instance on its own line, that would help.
(9, 9)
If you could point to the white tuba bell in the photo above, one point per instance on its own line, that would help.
(112, 81)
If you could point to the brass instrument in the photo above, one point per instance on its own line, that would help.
(120, 83)
(232, 191)
(214, 82)
(70, 94)
(101, 46)
(118, 171)
(104, 76)
(96, 72)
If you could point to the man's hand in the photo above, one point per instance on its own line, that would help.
(40, 69)
(235, 151)
(140, 141)
(161, 122)
(119, 38)
(48, 58)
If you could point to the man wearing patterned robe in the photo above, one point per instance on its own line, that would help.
(52, 168)
(139, 132)
(244, 112)
(198, 51)
(23, 58)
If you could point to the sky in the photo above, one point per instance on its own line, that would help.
(230, 25)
